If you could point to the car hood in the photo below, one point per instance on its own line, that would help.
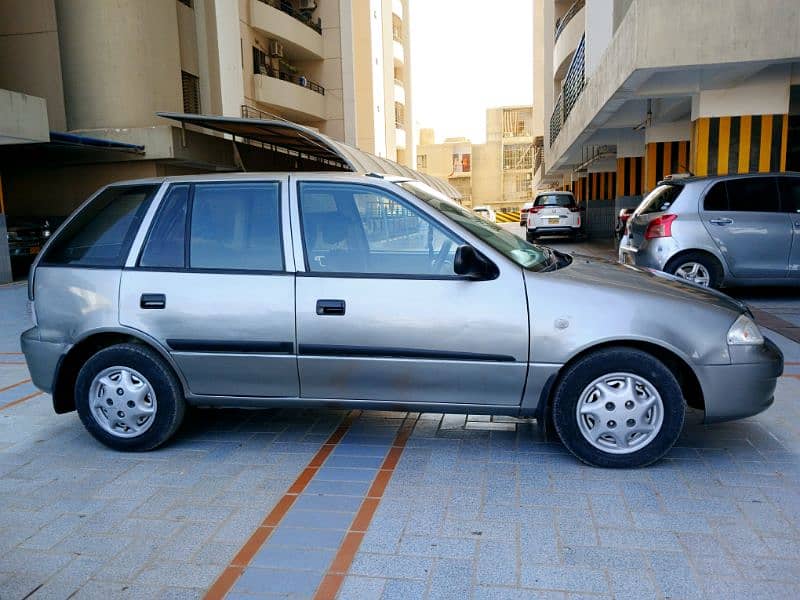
(610, 274)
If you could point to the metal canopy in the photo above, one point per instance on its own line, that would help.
(294, 138)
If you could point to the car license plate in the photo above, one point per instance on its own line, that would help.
(553, 220)
(34, 249)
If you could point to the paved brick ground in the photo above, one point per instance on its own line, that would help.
(475, 508)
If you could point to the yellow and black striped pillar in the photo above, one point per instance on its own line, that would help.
(601, 186)
(630, 176)
(745, 144)
(664, 158)
(579, 190)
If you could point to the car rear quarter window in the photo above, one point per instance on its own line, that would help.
(753, 194)
(660, 199)
(101, 234)
(236, 226)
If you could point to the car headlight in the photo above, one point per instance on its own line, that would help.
(744, 332)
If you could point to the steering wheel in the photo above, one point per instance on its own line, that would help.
(438, 262)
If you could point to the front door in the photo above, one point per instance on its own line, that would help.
(744, 218)
(211, 285)
(381, 314)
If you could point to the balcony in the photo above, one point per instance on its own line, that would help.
(294, 96)
(571, 28)
(398, 52)
(397, 8)
(574, 82)
(278, 20)
(399, 136)
(399, 92)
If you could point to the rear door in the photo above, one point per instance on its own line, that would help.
(381, 314)
(790, 203)
(214, 285)
(744, 218)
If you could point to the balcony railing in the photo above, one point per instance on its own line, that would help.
(562, 22)
(574, 82)
(300, 80)
(538, 153)
(304, 16)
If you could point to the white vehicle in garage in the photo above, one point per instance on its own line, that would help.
(553, 213)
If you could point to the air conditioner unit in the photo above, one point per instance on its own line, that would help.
(307, 5)
(275, 48)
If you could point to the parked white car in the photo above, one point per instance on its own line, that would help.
(486, 212)
(553, 213)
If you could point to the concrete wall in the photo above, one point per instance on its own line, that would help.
(120, 60)
(23, 118)
(30, 58)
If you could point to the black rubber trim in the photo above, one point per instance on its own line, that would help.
(221, 346)
(382, 352)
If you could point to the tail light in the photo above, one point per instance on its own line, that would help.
(574, 209)
(660, 227)
(535, 209)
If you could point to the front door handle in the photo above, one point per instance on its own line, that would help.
(330, 307)
(723, 221)
(153, 301)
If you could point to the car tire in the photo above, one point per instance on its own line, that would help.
(606, 402)
(128, 398)
(707, 266)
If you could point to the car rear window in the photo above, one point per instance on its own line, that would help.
(101, 234)
(555, 200)
(660, 199)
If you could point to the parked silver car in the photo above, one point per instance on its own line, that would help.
(340, 290)
(720, 231)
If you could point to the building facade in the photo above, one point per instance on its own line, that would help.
(634, 90)
(497, 173)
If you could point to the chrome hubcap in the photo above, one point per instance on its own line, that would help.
(620, 413)
(694, 272)
(122, 402)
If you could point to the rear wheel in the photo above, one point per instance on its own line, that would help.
(128, 398)
(698, 268)
(618, 407)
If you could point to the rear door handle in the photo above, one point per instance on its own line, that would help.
(724, 221)
(153, 301)
(330, 307)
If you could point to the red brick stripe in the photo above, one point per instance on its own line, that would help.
(234, 570)
(13, 385)
(334, 578)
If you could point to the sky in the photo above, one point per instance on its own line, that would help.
(467, 56)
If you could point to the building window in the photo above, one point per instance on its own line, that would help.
(399, 115)
(191, 93)
(189, 3)
(518, 156)
(522, 183)
(422, 161)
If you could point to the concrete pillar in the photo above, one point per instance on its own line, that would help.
(664, 158)
(5, 257)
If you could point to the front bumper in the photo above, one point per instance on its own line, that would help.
(743, 388)
(43, 359)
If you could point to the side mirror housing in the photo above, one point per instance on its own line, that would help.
(469, 263)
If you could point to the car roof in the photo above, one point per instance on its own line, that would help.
(696, 178)
(553, 193)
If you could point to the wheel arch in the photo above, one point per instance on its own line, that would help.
(680, 368)
(678, 256)
(92, 342)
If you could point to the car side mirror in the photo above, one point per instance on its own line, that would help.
(472, 265)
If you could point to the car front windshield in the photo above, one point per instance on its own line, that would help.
(526, 255)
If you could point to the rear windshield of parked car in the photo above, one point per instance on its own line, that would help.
(101, 234)
(555, 200)
(660, 199)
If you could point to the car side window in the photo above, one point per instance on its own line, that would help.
(790, 194)
(353, 229)
(166, 245)
(753, 194)
(236, 226)
(102, 233)
(717, 198)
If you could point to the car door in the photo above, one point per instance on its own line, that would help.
(214, 285)
(744, 218)
(790, 204)
(381, 315)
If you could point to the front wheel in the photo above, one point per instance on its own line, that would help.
(128, 398)
(618, 407)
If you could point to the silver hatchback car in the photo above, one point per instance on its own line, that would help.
(720, 231)
(341, 290)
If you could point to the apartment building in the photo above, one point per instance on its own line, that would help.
(497, 173)
(633, 90)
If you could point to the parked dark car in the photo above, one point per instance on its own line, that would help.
(25, 238)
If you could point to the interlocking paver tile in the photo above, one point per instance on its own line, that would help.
(568, 579)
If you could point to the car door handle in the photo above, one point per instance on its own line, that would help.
(153, 301)
(330, 307)
(724, 221)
